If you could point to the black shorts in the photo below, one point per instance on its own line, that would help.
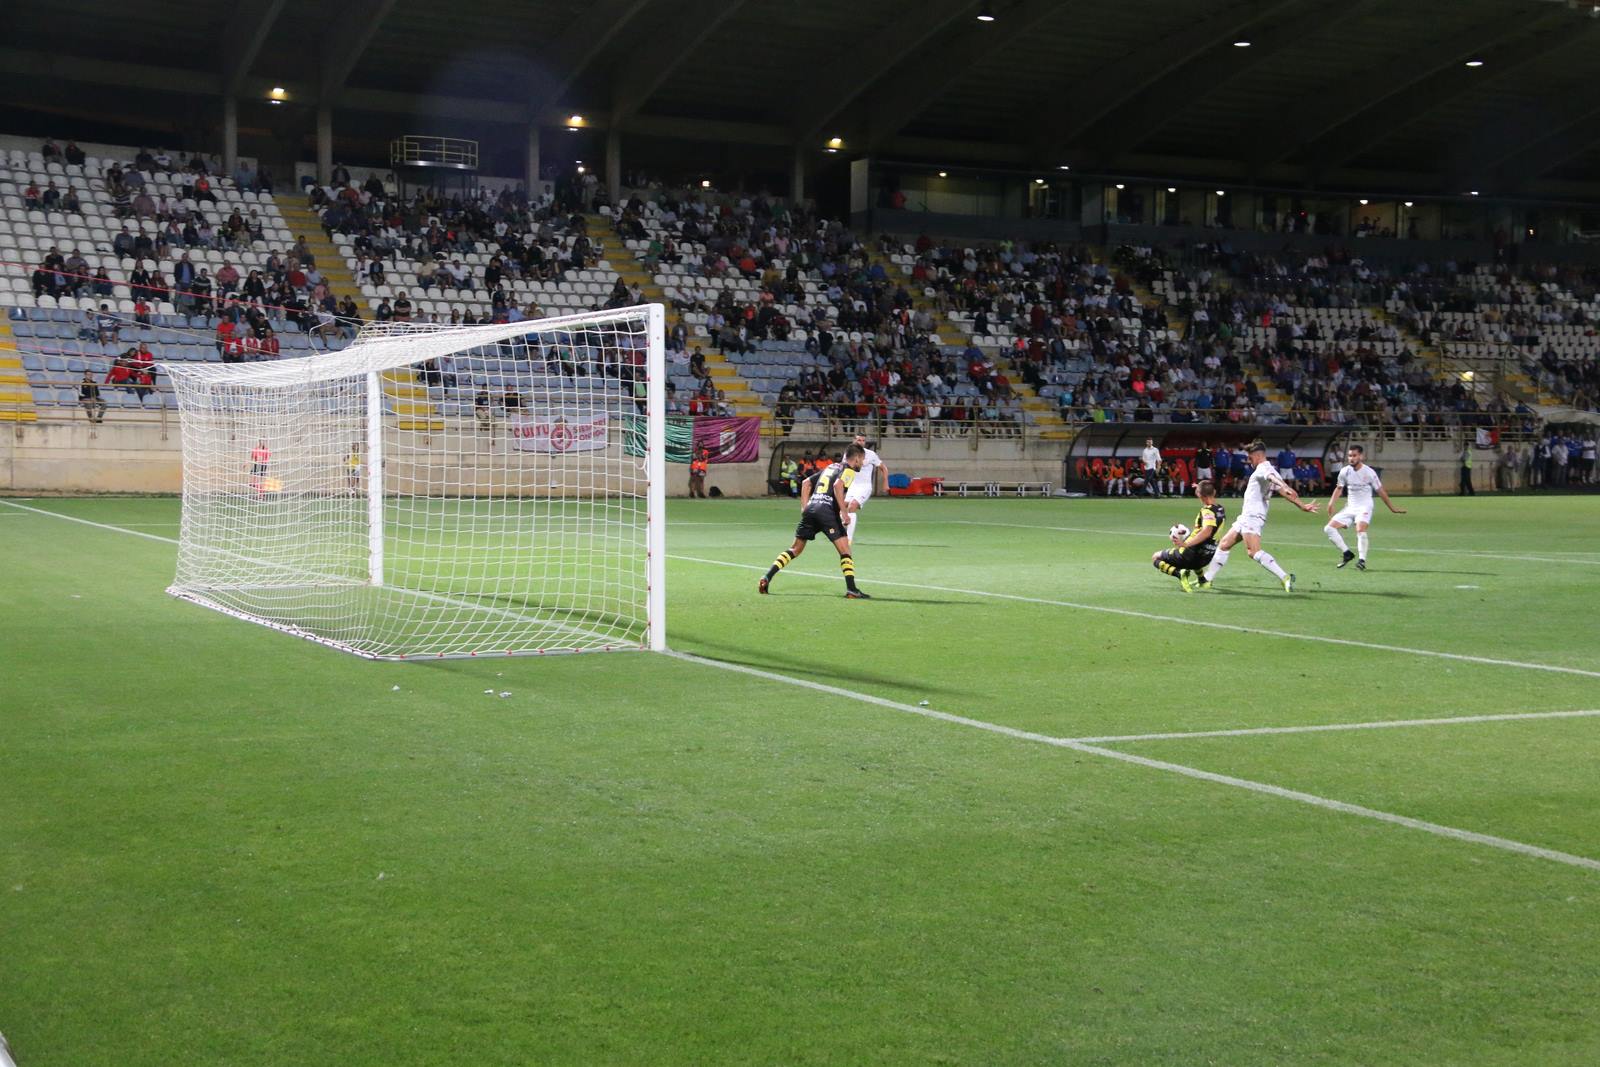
(824, 521)
(258, 470)
(1189, 559)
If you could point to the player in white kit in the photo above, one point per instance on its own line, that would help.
(1264, 479)
(872, 473)
(1359, 481)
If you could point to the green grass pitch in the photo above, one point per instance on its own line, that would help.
(222, 845)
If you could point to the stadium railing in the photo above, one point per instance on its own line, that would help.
(51, 404)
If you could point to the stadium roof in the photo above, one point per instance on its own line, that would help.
(1435, 94)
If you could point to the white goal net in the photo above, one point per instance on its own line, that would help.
(436, 491)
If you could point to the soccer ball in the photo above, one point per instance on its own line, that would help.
(1180, 532)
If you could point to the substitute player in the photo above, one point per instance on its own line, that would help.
(874, 475)
(1187, 556)
(821, 511)
(1360, 482)
(1253, 518)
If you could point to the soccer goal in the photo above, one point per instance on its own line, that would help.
(436, 491)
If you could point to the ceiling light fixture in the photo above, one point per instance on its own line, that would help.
(1241, 44)
(1172, 188)
(1064, 167)
(705, 183)
(836, 142)
(574, 122)
(1362, 202)
(1474, 62)
(986, 15)
(1038, 181)
(1408, 203)
(1472, 192)
(1221, 193)
(944, 174)
(1121, 186)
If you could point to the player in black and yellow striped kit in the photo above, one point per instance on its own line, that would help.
(822, 510)
(1184, 561)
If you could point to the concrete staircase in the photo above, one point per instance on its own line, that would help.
(1254, 371)
(16, 397)
(303, 222)
(1044, 415)
(406, 397)
(1506, 377)
(744, 400)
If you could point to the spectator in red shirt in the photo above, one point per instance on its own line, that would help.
(225, 330)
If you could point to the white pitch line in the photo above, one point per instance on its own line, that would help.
(1311, 799)
(1126, 612)
(1452, 720)
(410, 592)
(1438, 830)
(1131, 613)
(90, 522)
(1147, 535)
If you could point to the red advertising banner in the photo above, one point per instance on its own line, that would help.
(736, 440)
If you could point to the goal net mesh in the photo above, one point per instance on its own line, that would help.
(434, 491)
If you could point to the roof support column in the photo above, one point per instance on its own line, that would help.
(230, 134)
(614, 167)
(530, 181)
(797, 178)
(324, 144)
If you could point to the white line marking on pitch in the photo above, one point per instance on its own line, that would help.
(1131, 613)
(1127, 612)
(1296, 544)
(1438, 830)
(90, 522)
(1452, 720)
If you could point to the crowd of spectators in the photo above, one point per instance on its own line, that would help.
(1300, 324)
(1529, 310)
(154, 251)
(430, 233)
(876, 357)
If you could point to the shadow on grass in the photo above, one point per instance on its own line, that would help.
(872, 593)
(843, 677)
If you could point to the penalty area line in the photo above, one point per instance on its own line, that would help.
(1310, 799)
(1153, 616)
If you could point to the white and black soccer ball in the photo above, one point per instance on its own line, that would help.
(1178, 533)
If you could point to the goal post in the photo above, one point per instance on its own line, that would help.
(436, 491)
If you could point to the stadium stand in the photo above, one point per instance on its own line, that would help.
(138, 259)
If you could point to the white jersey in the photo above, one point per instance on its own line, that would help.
(1151, 458)
(1359, 485)
(866, 478)
(1258, 491)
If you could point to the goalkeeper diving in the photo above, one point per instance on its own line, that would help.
(1188, 555)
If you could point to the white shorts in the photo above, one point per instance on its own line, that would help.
(1349, 516)
(1202, 472)
(1249, 524)
(860, 499)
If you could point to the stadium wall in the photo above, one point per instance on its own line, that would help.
(60, 457)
